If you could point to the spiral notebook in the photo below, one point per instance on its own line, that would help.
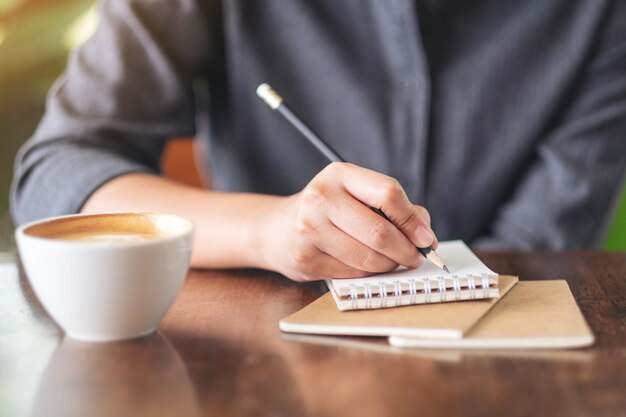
(469, 279)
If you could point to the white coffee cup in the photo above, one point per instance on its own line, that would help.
(106, 277)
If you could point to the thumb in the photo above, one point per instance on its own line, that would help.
(415, 225)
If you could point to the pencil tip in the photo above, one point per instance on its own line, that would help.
(445, 268)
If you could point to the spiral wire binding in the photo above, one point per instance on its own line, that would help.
(427, 289)
(456, 286)
(397, 291)
(353, 296)
(471, 286)
(442, 289)
(368, 295)
(382, 293)
(412, 290)
(485, 285)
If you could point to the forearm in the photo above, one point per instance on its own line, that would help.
(229, 226)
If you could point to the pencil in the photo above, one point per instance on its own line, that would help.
(276, 102)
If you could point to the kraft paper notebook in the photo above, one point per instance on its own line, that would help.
(469, 279)
(533, 315)
(440, 320)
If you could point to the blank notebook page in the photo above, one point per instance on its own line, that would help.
(455, 254)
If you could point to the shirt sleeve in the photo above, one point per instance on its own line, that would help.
(124, 92)
(568, 196)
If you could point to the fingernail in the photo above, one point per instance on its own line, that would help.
(424, 237)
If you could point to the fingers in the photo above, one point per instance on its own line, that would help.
(343, 247)
(373, 231)
(336, 234)
(426, 216)
(385, 193)
(423, 213)
(317, 265)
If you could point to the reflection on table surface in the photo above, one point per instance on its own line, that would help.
(219, 351)
(78, 378)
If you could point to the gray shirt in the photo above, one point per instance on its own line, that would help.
(506, 119)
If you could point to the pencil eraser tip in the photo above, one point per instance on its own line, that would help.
(271, 97)
(262, 89)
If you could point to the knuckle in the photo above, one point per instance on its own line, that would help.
(380, 234)
(313, 195)
(391, 190)
(304, 225)
(335, 166)
(334, 169)
(308, 219)
(406, 221)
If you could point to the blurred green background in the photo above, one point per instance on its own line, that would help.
(35, 38)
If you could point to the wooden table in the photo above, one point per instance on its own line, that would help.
(219, 352)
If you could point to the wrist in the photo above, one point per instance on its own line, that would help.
(231, 229)
(269, 234)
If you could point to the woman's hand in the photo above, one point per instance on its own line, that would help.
(328, 230)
